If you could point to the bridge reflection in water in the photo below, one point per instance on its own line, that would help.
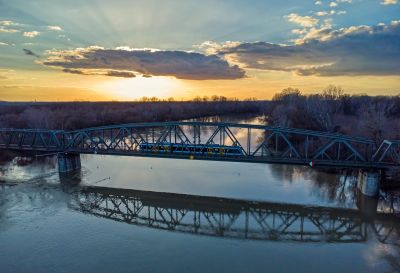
(239, 219)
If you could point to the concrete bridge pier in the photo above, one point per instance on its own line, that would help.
(68, 162)
(368, 182)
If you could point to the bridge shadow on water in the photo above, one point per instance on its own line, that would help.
(240, 219)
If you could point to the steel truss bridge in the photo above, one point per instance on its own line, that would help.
(237, 219)
(211, 141)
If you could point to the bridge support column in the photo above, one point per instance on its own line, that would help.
(68, 162)
(368, 182)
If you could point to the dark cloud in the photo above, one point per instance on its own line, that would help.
(179, 64)
(74, 71)
(112, 73)
(359, 50)
(30, 53)
(123, 74)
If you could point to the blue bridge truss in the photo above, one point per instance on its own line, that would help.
(211, 141)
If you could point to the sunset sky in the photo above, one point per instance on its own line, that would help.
(124, 50)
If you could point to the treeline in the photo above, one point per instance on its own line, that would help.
(374, 117)
(196, 99)
(75, 115)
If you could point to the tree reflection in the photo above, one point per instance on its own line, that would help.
(338, 186)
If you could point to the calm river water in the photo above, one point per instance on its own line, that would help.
(130, 214)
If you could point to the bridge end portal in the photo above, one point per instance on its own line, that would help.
(68, 162)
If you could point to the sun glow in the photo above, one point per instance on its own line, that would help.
(134, 88)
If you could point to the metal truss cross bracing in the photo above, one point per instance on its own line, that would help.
(211, 141)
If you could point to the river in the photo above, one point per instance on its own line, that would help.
(131, 214)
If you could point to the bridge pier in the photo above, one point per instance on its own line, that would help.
(368, 182)
(68, 162)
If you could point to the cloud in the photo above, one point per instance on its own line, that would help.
(30, 53)
(357, 50)
(8, 30)
(112, 73)
(211, 48)
(299, 31)
(305, 21)
(31, 34)
(179, 64)
(333, 4)
(123, 74)
(6, 23)
(75, 71)
(318, 3)
(55, 28)
(3, 44)
(389, 2)
(6, 26)
(321, 13)
(9, 23)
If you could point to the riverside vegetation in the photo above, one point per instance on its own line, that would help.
(373, 117)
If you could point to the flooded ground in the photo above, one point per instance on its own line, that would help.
(124, 214)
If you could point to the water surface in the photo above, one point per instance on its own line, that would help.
(298, 219)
